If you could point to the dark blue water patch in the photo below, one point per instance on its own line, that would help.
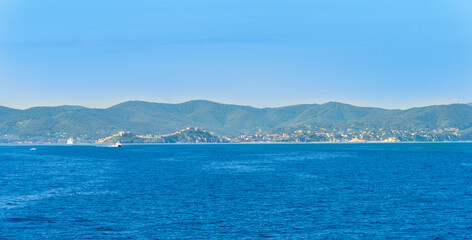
(227, 191)
(30, 219)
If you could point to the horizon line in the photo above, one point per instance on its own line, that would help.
(242, 105)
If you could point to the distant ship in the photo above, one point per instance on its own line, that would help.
(117, 144)
(70, 141)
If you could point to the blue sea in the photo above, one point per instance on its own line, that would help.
(237, 191)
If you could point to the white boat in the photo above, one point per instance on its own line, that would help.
(33, 149)
(70, 141)
(117, 144)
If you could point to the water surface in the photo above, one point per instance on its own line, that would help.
(228, 191)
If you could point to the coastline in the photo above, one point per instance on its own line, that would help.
(236, 143)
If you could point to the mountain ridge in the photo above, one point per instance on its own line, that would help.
(227, 120)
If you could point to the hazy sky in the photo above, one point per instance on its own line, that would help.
(96, 53)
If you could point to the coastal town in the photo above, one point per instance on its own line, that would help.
(351, 135)
(199, 135)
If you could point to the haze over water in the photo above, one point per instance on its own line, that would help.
(215, 191)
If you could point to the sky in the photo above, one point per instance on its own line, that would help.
(263, 53)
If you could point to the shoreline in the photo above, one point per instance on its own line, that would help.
(239, 143)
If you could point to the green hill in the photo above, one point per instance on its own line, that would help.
(142, 118)
(188, 135)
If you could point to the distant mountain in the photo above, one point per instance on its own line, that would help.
(55, 124)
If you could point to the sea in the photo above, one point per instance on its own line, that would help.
(237, 191)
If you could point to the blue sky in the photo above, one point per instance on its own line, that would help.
(393, 54)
